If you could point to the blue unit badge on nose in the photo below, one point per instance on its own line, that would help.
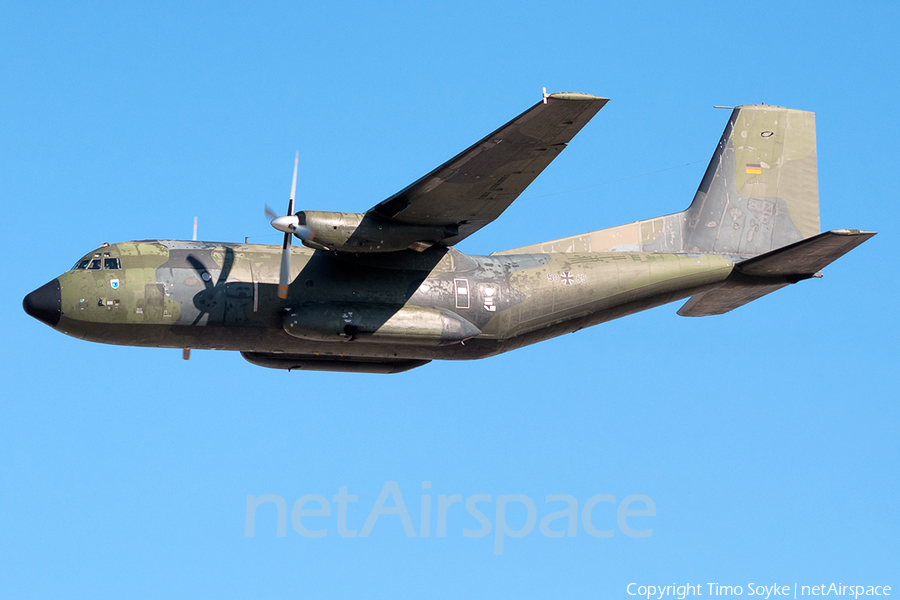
(114, 283)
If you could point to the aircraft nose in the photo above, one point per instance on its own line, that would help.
(44, 303)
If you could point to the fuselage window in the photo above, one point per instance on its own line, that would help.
(111, 263)
(95, 265)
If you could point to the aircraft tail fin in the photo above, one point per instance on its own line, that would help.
(760, 191)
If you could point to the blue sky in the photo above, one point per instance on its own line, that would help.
(765, 438)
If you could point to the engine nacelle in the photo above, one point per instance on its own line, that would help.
(378, 323)
(355, 232)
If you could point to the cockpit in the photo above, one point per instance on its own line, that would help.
(98, 261)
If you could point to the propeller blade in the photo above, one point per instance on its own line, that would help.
(270, 214)
(293, 184)
(285, 275)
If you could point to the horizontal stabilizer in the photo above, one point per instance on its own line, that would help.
(766, 273)
(725, 299)
(805, 257)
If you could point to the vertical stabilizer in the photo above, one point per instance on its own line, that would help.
(760, 191)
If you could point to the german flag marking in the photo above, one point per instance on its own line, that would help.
(754, 169)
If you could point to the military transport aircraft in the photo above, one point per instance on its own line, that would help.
(385, 291)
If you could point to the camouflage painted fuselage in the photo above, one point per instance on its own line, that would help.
(361, 297)
(183, 294)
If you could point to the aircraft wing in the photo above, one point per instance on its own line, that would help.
(473, 188)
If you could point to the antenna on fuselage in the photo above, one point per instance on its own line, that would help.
(195, 229)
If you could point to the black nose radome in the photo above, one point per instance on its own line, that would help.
(44, 303)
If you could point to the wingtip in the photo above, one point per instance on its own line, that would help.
(576, 96)
(853, 232)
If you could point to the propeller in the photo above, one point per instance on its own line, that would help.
(290, 225)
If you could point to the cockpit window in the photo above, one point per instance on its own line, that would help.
(98, 262)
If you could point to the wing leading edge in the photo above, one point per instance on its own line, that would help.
(473, 188)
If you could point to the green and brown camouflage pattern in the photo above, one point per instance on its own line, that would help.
(752, 228)
(164, 300)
